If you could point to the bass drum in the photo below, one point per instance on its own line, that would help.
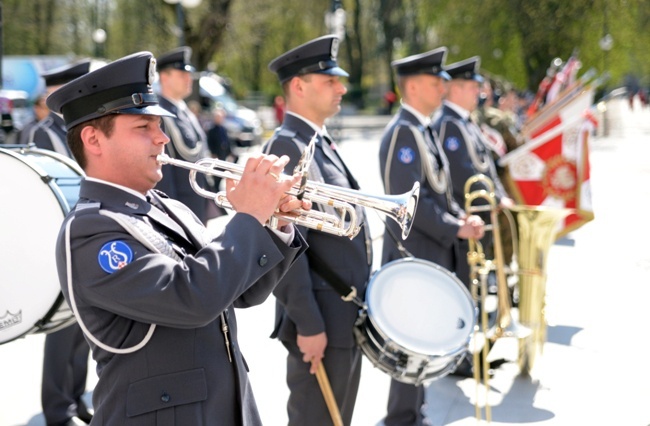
(39, 187)
(417, 321)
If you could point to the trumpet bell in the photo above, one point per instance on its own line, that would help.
(408, 216)
(401, 208)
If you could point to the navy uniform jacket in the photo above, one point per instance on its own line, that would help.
(402, 162)
(306, 303)
(188, 142)
(467, 152)
(182, 376)
(49, 133)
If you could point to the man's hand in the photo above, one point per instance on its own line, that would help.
(289, 203)
(261, 187)
(506, 202)
(313, 349)
(472, 227)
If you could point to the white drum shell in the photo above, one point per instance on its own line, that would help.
(37, 190)
(418, 321)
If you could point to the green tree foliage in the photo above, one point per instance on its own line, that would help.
(516, 39)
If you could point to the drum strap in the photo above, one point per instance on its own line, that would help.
(400, 247)
(348, 293)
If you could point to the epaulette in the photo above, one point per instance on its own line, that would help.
(288, 133)
(405, 123)
(87, 208)
(284, 134)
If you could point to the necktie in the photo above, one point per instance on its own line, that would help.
(328, 149)
(436, 148)
(158, 214)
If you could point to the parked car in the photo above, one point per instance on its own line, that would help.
(243, 125)
(15, 105)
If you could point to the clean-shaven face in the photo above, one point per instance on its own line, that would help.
(129, 154)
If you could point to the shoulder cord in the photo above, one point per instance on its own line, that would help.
(57, 144)
(437, 180)
(482, 165)
(149, 239)
(178, 143)
(400, 247)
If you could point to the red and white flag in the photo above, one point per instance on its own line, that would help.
(552, 168)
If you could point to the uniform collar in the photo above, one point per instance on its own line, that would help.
(310, 123)
(423, 119)
(123, 188)
(464, 114)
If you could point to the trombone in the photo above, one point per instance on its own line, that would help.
(401, 208)
(480, 267)
(505, 324)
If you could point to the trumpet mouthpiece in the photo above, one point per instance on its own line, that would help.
(162, 158)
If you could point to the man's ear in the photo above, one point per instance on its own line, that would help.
(296, 85)
(90, 136)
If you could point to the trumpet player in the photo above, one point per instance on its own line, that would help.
(153, 292)
(410, 151)
(312, 321)
(188, 140)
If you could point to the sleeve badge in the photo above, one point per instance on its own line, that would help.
(452, 143)
(114, 255)
(406, 155)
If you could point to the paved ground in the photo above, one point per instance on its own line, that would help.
(594, 368)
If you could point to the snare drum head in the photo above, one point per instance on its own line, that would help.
(421, 306)
(30, 217)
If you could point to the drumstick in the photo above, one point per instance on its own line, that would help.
(326, 390)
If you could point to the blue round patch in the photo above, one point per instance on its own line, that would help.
(114, 255)
(406, 155)
(452, 143)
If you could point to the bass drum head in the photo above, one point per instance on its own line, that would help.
(421, 306)
(33, 209)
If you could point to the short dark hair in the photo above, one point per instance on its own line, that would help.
(105, 124)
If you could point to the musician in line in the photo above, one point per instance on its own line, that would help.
(50, 132)
(188, 139)
(154, 292)
(312, 321)
(497, 121)
(410, 151)
(468, 154)
(40, 111)
(462, 141)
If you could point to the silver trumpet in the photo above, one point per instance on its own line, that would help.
(345, 222)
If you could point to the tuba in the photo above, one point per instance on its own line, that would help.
(536, 232)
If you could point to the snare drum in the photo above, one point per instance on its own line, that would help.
(38, 189)
(417, 321)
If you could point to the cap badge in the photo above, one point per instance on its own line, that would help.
(151, 77)
(335, 48)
